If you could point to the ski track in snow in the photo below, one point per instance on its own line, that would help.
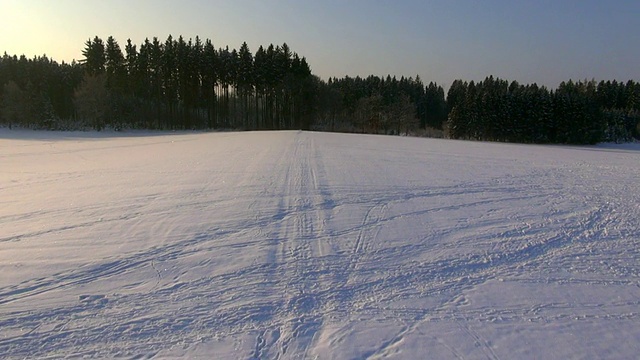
(295, 245)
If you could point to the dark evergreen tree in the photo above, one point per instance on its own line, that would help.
(245, 82)
(209, 71)
(188, 84)
(435, 113)
(94, 56)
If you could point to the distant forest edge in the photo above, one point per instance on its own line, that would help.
(179, 84)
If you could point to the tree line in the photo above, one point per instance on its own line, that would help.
(584, 112)
(380, 105)
(191, 84)
(179, 84)
(34, 92)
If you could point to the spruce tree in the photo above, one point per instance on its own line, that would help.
(94, 56)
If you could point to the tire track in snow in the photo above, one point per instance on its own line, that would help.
(477, 269)
(372, 219)
(102, 270)
(479, 342)
(305, 273)
(295, 288)
(301, 318)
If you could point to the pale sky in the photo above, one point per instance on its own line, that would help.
(543, 41)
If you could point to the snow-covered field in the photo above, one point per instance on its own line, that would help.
(296, 245)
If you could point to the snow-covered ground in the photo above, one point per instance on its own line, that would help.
(296, 245)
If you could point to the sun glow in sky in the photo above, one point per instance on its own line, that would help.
(543, 41)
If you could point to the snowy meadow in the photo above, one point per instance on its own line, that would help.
(303, 245)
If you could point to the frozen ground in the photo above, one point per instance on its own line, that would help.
(296, 245)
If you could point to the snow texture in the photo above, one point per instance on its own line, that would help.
(292, 245)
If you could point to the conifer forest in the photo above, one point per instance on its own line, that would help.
(180, 84)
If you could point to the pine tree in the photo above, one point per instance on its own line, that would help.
(169, 81)
(245, 80)
(156, 81)
(435, 112)
(114, 64)
(209, 73)
(94, 56)
(131, 65)
(260, 84)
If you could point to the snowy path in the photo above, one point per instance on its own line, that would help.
(292, 245)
